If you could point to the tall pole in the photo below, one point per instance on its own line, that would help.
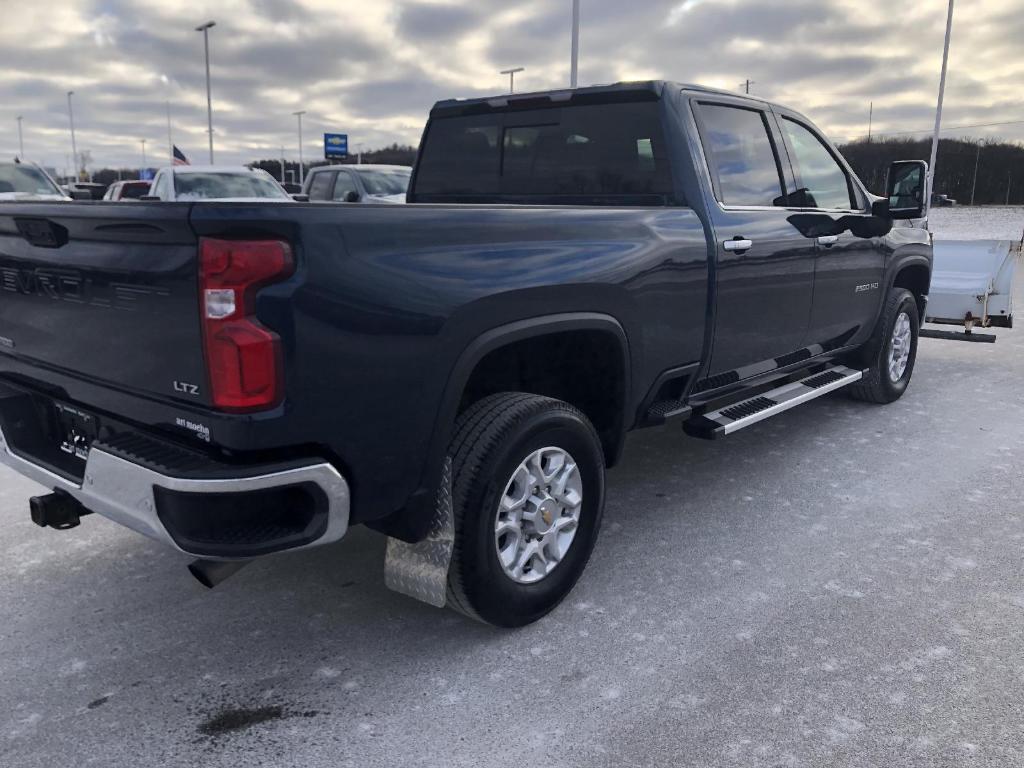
(143, 158)
(974, 184)
(938, 108)
(205, 29)
(512, 77)
(21, 141)
(74, 148)
(170, 140)
(282, 165)
(299, 115)
(871, 116)
(747, 86)
(574, 65)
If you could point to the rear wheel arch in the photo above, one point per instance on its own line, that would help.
(512, 358)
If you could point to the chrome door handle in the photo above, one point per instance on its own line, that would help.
(738, 245)
(828, 240)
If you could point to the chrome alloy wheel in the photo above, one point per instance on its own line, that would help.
(538, 515)
(899, 348)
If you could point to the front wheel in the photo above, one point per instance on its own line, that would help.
(527, 496)
(891, 352)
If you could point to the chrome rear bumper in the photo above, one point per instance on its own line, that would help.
(124, 491)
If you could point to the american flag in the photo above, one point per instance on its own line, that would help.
(179, 157)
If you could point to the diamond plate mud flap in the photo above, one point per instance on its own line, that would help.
(421, 570)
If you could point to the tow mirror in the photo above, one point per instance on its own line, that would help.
(352, 197)
(905, 190)
(300, 198)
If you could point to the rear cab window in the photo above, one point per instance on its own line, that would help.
(571, 154)
(322, 185)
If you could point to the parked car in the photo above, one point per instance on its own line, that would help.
(358, 183)
(237, 380)
(94, 190)
(127, 190)
(20, 180)
(217, 182)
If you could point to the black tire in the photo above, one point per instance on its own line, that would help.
(877, 385)
(492, 437)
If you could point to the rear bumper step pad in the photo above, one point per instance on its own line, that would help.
(736, 416)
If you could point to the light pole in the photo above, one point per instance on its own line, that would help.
(974, 184)
(938, 108)
(205, 29)
(512, 77)
(143, 158)
(574, 64)
(299, 115)
(74, 148)
(21, 142)
(170, 140)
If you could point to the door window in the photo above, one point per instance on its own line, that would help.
(343, 185)
(322, 185)
(741, 155)
(822, 181)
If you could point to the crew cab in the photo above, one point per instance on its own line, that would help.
(237, 379)
(370, 183)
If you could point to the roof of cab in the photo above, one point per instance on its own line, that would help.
(641, 90)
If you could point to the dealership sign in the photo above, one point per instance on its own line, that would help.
(335, 145)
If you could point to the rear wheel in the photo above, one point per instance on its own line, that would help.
(890, 354)
(528, 494)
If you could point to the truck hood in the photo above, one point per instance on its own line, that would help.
(33, 196)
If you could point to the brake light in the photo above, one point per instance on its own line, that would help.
(243, 358)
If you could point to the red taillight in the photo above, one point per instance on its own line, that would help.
(242, 357)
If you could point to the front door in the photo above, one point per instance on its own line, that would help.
(848, 287)
(764, 265)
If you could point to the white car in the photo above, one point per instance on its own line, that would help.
(229, 183)
(27, 181)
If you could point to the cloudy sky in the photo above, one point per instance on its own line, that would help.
(372, 68)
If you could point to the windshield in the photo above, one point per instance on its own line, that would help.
(25, 179)
(218, 185)
(135, 190)
(385, 182)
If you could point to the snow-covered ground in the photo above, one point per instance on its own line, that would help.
(996, 222)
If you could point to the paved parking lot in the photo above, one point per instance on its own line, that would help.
(838, 586)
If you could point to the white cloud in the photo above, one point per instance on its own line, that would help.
(374, 67)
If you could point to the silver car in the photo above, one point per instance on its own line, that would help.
(358, 183)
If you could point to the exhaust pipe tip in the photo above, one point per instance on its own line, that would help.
(210, 573)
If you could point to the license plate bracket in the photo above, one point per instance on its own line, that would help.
(76, 431)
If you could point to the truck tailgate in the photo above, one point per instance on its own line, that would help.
(104, 290)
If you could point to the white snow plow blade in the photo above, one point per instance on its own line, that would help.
(972, 283)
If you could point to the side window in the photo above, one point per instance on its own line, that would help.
(322, 186)
(344, 185)
(740, 151)
(822, 181)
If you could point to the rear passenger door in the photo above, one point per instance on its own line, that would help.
(764, 265)
(321, 186)
(848, 267)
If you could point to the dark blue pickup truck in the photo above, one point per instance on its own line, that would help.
(241, 379)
